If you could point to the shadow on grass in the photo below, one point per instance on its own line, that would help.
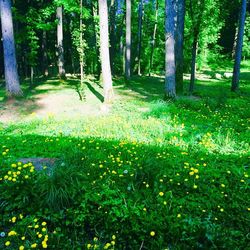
(88, 185)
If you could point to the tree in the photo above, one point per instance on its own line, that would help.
(179, 39)
(128, 41)
(170, 89)
(140, 10)
(60, 49)
(153, 38)
(10, 65)
(238, 54)
(104, 52)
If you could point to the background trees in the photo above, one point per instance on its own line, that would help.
(204, 29)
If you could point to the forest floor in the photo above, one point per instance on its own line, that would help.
(178, 169)
(62, 99)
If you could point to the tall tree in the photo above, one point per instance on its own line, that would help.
(153, 38)
(104, 52)
(140, 12)
(170, 88)
(179, 39)
(238, 54)
(60, 49)
(128, 40)
(196, 19)
(10, 65)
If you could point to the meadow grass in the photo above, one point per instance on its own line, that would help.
(147, 175)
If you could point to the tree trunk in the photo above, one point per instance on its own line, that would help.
(170, 91)
(112, 33)
(128, 40)
(10, 64)
(81, 45)
(193, 63)
(140, 35)
(60, 48)
(238, 54)
(104, 52)
(45, 54)
(153, 38)
(179, 60)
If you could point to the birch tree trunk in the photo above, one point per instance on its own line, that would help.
(170, 88)
(128, 41)
(60, 50)
(104, 52)
(238, 52)
(10, 64)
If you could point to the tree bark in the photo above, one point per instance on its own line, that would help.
(140, 35)
(60, 49)
(179, 38)
(104, 52)
(45, 54)
(153, 38)
(170, 88)
(238, 54)
(10, 64)
(128, 40)
(112, 33)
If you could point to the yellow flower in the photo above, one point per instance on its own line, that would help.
(12, 233)
(13, 165)
(113, 242)
(222, 210)
(113, 237)
(191, 173)
(161, 193)
(44, 223)
(152, 233)
(34, 245)
(40, 235)
(21, 247)
(7, 243)
(196, 171)
(89, 246)
(13, 219)
(195, 186)
(26, 176)
(178, 215)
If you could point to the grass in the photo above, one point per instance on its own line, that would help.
(147, 175)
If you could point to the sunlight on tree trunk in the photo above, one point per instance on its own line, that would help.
(104, 52)
(128, 40)
(170, 91)
(60, 48)
(10, 64)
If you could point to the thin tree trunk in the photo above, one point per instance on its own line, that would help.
(81, 45)
(10, 64)
(170, 91)
(128, 40)
(61, 69)
(179, 59)
(112, 33)
(140, 35)
(153, 38)
(238, 54)
(104, 52)
(45, 54)
(193, 63)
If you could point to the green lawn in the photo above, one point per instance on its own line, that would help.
(147, 174)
